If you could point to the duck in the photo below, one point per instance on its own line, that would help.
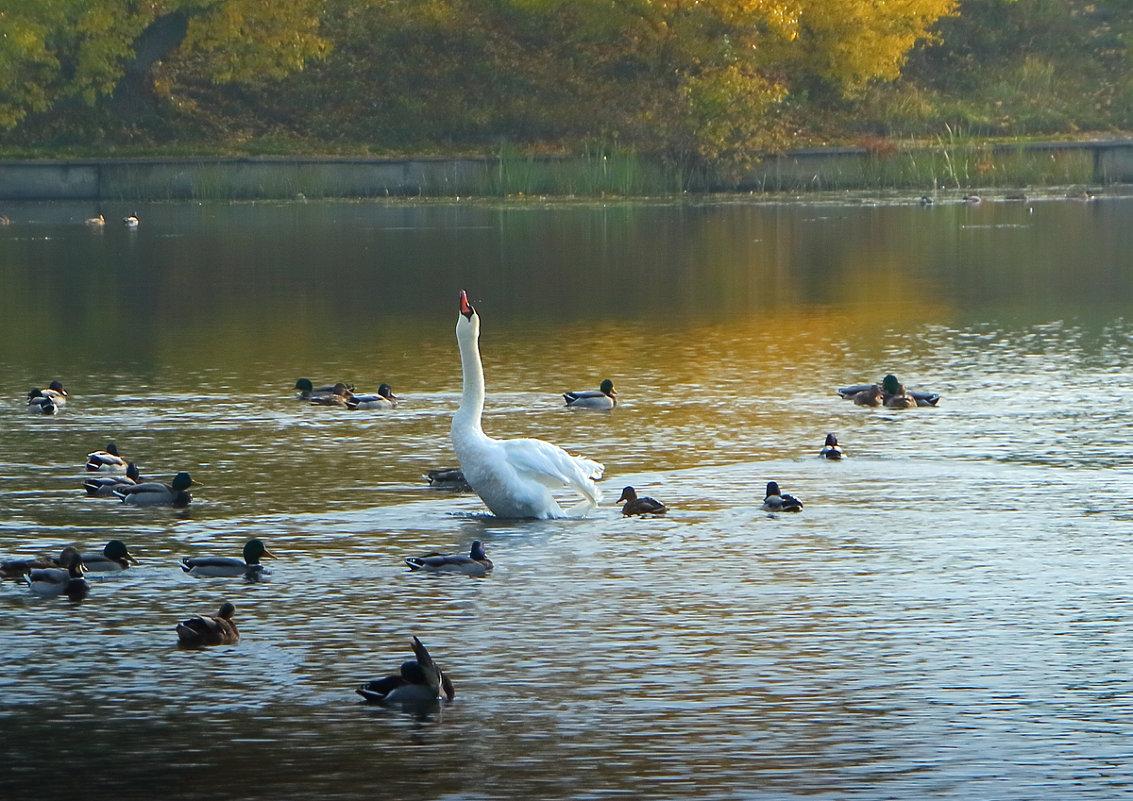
(68, 580)
(197, 632)
(644, 505)
(448, 478)
(776, 501)
(96, 221)
(831, 449)
(226, 566)
(339, 395)
(476, 563)
(52, 395)
(154, 493)
(862, 394)
(38, 403)
(304, 389)
(113, 557)
(513, 477)
(604, 398)
(105, 486)
(107, 461)
(382, 399)
(894, 396)
(417, 685)
(17, 568)
(130, 221)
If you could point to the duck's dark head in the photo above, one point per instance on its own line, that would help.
(772, 489)
(891, 385)
(304, 385)
(831, 440)
(477, 551)
(607, 387)
(226, 611)
(628, 494)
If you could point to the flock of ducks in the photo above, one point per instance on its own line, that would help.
(513, 477)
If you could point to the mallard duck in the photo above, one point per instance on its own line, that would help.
(304, 389)
(197, 632)
(38, 403)
(68, 580)
(225, 566)
(382, 399)
(17, 568)
(476, 563)
(113, 557)
(603, 398)
(862, 394)
(776, 501)
(107, 461)
(640, 506)
(416, 686)
(130, 221)
(97, 221)
(339, 395)
(48, 400)
(831, 449)
(894, 396)
(154, 493)
(104, 486)
(448, 478)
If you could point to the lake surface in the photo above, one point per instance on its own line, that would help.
(951, 615)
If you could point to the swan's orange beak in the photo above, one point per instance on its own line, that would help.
(466, 307)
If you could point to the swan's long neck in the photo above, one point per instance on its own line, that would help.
(472, 400)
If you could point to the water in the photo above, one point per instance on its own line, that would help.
(949, 617)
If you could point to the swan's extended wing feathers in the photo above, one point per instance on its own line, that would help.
(553, 467)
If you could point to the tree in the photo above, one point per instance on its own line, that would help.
(58, 50)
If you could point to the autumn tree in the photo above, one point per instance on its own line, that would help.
(53, 51)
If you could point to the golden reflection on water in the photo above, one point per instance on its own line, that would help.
(937, 615)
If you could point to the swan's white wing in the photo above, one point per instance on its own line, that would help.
(553, 467)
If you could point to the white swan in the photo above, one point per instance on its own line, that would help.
(514, 477)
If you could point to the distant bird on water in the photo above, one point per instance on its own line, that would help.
(643, 505)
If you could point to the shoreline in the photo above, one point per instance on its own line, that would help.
(921, 169)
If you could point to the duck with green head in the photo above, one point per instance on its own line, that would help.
(54, 581)
(113, 557)
(603, 399)
(831, 449)
(154, 493)
(382, 399)
(417, 686)
(226, 566)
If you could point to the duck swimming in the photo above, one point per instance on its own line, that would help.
(476, 563)
(154, 493)
(776, 501)
(107, 461)
(340, 395)
(875, 394)
(644, 505)
(104, 486)
(417, 686)
(226, 566)
(113, 557)
(448, 478)
(305, 389)
(604, 398)
(831, 450)
(894, 396)
(53, 581)
(197, 632)
(514, 477)
(48, 400)
(382, 399)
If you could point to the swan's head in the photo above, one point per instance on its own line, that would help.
(466, 307)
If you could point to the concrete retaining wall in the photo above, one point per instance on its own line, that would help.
(239, 178)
